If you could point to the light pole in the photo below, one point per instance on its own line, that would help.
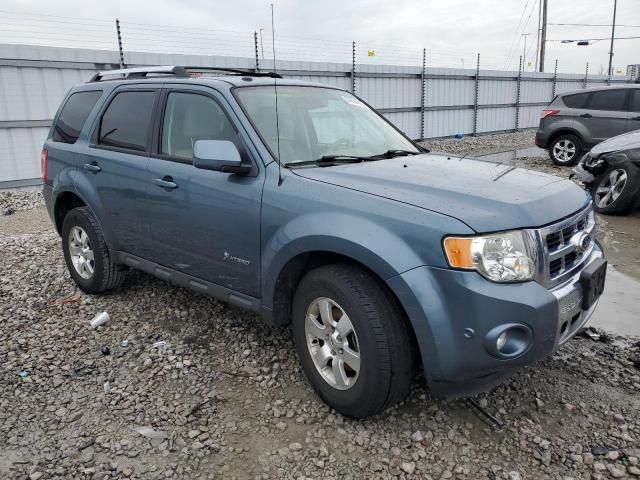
(524, 51)
(613, 31)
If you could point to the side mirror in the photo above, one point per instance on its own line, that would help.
(219, 156)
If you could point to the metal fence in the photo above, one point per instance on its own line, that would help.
(424, 101)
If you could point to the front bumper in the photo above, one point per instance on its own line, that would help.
(452, 313)
(580, 174)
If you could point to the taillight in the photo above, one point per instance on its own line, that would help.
(44, 158)
(548, 113)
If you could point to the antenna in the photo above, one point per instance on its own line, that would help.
(275, 90)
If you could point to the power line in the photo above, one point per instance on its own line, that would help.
(515, 35)
(591, 25)
(593, 39)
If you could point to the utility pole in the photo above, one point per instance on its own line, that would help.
(538, 33)
(543, 34)
(524, 50)
(613, 31)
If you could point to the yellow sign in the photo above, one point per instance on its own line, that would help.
(371, 53)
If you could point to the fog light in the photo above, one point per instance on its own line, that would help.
(502, 340)
(509, 340)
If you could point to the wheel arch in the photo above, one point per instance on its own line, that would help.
(64, 203)
(566, 131)
(290, 275)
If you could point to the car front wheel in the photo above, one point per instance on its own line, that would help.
(565, 150)
(352, 340)
(617, 191)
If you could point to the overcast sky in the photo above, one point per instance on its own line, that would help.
(453, 31)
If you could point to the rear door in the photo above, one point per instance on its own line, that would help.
(116, 164)
(204, 223)
(634, 105)
(606, 114)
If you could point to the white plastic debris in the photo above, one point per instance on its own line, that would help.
(99, 319)
(149, 432)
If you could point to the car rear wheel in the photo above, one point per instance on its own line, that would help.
(617, 191)
(352, 339)
(565, 150)
(86, 253)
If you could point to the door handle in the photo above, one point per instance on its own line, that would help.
(586, 115)
(92, 167)
(165, 182)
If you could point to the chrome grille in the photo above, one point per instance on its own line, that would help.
(561, 254)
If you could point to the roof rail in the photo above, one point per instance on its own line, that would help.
(238, 71)
(139, 72)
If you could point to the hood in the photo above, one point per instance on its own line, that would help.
(625, 141)
(486, 196)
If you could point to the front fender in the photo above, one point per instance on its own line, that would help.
(366, 242)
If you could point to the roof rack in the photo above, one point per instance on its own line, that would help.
(139, 72)
(172, 70)
(239, 71)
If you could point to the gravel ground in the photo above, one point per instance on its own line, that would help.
(192, 388)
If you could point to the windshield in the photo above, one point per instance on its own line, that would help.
(317, 122)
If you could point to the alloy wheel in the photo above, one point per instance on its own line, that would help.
(564, 151)
(332, 343)
(81, 252)
(611, 188)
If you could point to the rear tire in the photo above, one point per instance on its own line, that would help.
(566, 150)
(377, 332)
(617, 191)
(86, 253)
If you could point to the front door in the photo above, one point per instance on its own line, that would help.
(204, 223)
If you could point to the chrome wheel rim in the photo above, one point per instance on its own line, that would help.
(332, 343)
(611, 188)
(81, 252)
(564, 150)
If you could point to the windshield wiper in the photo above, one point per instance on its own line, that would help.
(328, 160)
(394, 153)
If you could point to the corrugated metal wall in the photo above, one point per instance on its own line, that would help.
(34, 79)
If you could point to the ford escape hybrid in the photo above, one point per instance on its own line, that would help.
(385, 259)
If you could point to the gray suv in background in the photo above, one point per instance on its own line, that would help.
(319, 214)
(576, 121)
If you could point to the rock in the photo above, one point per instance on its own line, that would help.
(295, 446)
(417, 436)
(35, 476)
(633, 470)
(514, 475)
(408, 467)
(616, 471)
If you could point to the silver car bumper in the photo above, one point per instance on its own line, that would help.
(569, 294)
(582, 175)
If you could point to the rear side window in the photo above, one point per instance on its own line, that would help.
(578, 100)
(608, 100)
(125, 123)
(73, 115)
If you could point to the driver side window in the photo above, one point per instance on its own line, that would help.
(190, 117)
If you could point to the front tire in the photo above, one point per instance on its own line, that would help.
(617, 191)
(566, 150)
(352, 340)
(86, 253)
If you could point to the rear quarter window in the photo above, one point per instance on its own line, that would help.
(73, 115)
(577, 100)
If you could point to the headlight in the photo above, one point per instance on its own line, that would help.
(501, 257)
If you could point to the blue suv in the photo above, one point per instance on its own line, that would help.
(300, 202)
